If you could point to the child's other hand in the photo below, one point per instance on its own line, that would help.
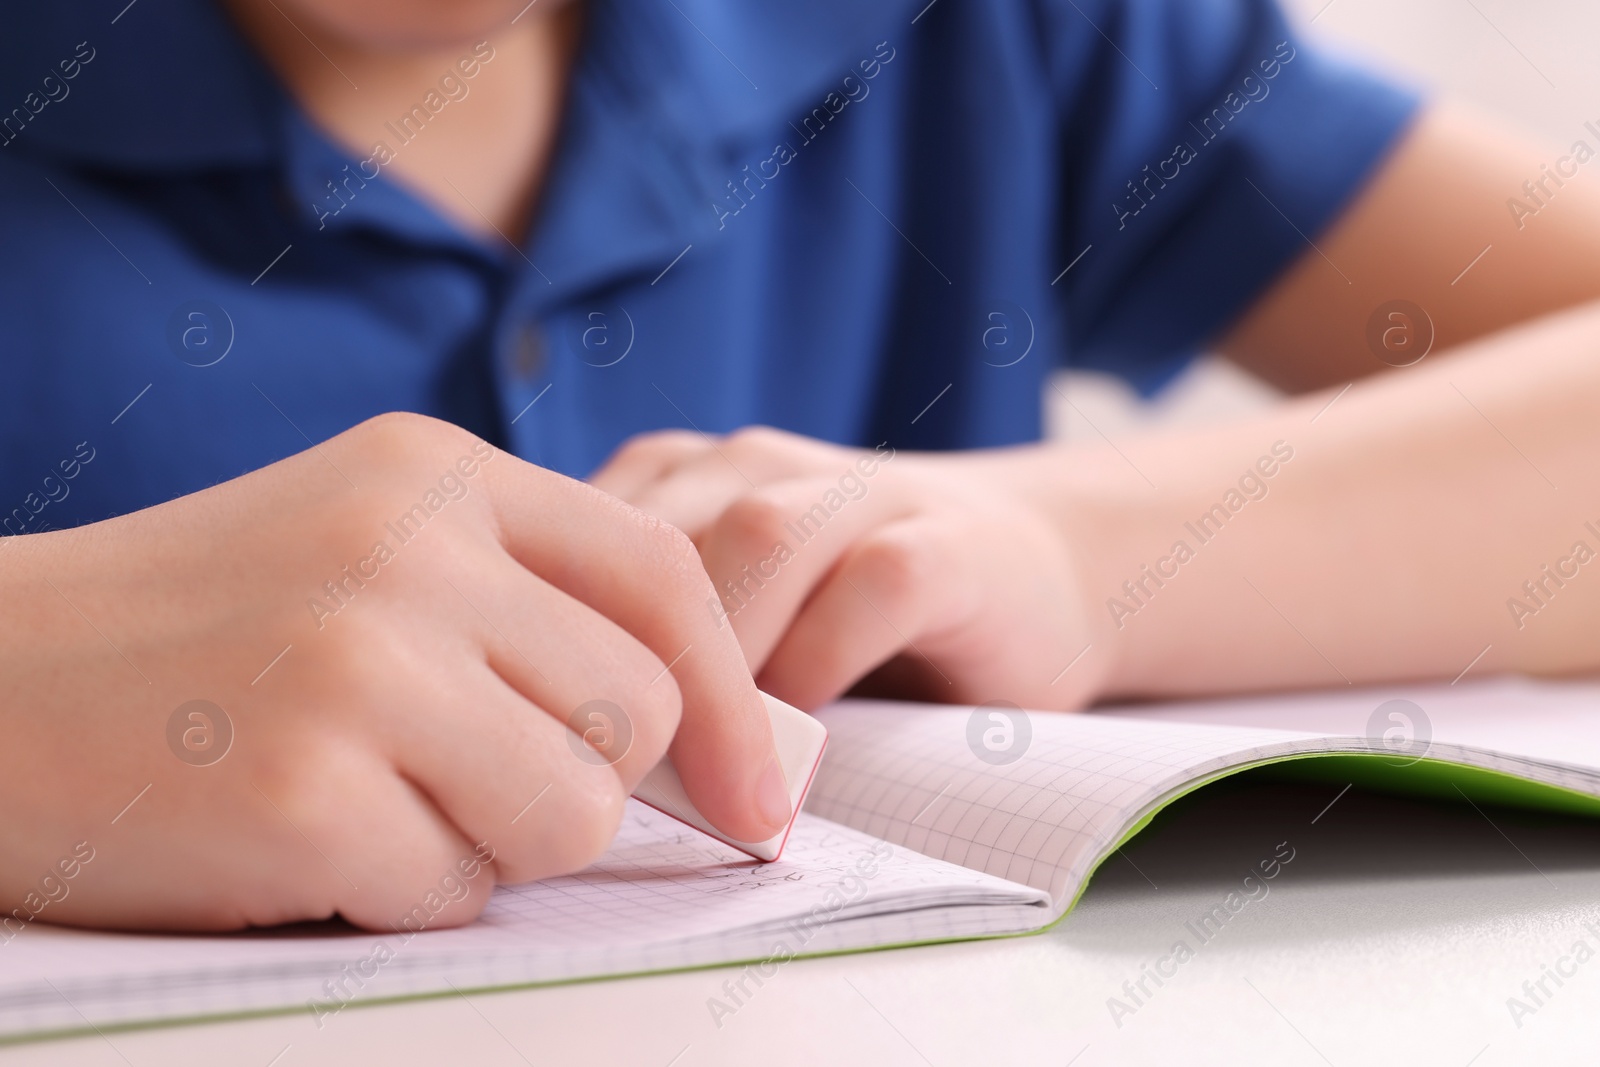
(835, 564)
(444, 613)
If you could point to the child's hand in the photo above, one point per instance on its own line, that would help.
(402, 629)
(832, 563)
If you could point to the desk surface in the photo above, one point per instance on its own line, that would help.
(1395, 935)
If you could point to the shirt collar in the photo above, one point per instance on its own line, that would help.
(666, 95)
(722, 70)
(670, 99)
(173, 84)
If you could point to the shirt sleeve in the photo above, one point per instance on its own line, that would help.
(1203, 148)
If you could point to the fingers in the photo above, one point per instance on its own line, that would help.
(889, 593)
(696, 492)
(699, 484)
(569, 713)
(773, 516)
(646, 577)
(769, 550)
(393, 860)
(569, 662)
(645, 459)
(506, 773)
(348, 835)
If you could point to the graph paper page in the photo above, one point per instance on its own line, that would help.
(908, 836)
(663, 897)
(908, 774)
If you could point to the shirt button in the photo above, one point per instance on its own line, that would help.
(527, 353)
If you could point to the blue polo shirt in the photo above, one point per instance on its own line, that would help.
(863, 222)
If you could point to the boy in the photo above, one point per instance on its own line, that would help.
(276, 654)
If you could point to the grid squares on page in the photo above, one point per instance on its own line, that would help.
(910, 778)
(666, 897)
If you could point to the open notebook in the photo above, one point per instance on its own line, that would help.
(909, 836)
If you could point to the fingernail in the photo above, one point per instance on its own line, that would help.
(772, 796)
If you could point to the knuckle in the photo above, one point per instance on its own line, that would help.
(397, 424)
(755, 439)
(359, 662)
(307, 782)
(755, 521)
(894, 566)
(675, 557)
(407, 434)
(586, 832)
(642, 446)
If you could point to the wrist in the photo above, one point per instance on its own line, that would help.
(1099, 517)
(1097, 508)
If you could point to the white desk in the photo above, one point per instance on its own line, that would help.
(1395, 936)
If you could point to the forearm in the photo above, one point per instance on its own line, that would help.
(1466, 221)
(1393, 543)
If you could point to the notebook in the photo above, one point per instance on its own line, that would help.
(924, 824)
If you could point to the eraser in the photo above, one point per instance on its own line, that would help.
(800, 740)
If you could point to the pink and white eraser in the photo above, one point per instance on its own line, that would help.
(800, 740)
